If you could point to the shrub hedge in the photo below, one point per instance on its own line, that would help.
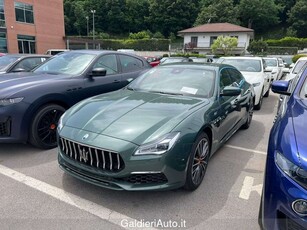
(300, 43)
(136, 44)
(295, 57)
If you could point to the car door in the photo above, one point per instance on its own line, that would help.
(228, 106)
(102, 84)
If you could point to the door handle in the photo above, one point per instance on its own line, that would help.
(116, 81)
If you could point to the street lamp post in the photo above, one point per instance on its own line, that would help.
(93, 12)
(87, 32)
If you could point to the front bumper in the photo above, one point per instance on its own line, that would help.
(13, 123)
(147, 172)
(280, 191)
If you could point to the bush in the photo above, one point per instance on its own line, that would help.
(295, 57)
(158, 35)
(300, 43)
(257, 47)
(136, 44)
(139, 35)
(274, 50)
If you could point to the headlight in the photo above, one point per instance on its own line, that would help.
(60, 122)
(256, 84)
(160, 146)
(10, 101)
(295, 172)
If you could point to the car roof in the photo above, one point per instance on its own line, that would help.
(302, 58)
(250, 58)
(27, 55)
(212, 66)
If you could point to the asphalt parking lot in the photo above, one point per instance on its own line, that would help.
(36, 194)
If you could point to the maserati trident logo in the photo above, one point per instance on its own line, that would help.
(85, 137)
(83, 155)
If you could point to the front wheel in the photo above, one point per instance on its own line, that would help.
(258, 106)
(249, 115)
(198, 162)
(44, 126)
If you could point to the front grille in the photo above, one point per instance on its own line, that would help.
(91, 156)
(286, 223)
(5, 128)
(150, 178)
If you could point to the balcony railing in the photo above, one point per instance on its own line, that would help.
(207, 45)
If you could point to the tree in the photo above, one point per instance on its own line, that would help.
(218, 11)
(224, 44)
(259, 14)
(136, 12)
(286, 6)
(298, 18)
(171, 16)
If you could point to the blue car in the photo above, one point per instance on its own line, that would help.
(284, 197)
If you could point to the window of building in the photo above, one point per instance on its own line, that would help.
(2, 18)
(212, 39)
(24, 12)
(3, 44)
(194, 41)
(26, 44)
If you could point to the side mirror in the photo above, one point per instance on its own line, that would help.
(280, 87)
(18, 70)
(99, 72)
(231, 91)
(286, 70)
(267, 70)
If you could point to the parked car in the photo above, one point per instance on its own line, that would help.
(275, 65)
(31, 103)
(254, 71)
(297, 67)
(284, 196)
(167, 60)
(56, 51)
(153, 61)
(10, 63)
(158, 132)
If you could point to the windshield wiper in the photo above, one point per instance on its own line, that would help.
(168, 93)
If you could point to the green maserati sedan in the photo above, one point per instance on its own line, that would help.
(157, 133)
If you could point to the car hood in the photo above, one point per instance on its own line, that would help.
(13, 83)
(252, 77)
(299, 117)
(137, 117)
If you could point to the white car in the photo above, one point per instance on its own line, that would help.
(253, 70)
(296, 68)
(275, 65)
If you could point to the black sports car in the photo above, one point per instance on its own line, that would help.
(31, 103)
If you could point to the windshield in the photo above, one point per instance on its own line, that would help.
(70, 63)
(5, 61)
(298, 66)
(245, 65)
(271, 62)
(176, 80)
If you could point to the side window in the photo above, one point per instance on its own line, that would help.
(28, 64)
(225, 79)
(130, 64)
(236, 77)
(108, 62)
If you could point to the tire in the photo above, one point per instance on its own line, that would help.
(249, 115)
(267, 92)
(258, 106)
(44, 125)
(198, 162)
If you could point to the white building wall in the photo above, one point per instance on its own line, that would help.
(204, 39)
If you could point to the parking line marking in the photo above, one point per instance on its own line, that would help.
(69, 198)
(245, 149)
